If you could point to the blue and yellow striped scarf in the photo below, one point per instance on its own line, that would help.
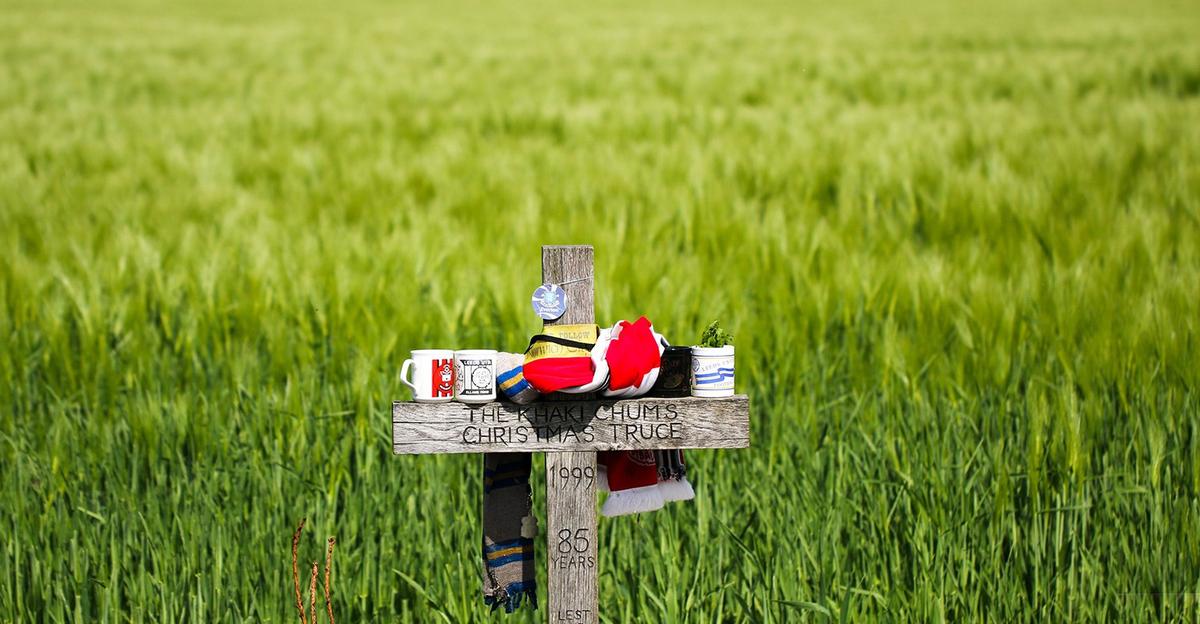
(508, 573)
(511, 379)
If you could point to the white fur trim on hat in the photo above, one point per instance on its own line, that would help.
(676, 490)
(631, 501)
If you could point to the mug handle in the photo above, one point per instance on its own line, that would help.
(404, 376)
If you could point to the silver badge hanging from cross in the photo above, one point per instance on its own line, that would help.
(550, 300)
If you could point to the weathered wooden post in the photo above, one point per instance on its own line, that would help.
(570, 432)
(571, 503)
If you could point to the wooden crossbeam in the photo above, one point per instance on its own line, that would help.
(570, 430)
(576, 426)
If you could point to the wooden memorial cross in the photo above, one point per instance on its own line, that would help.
(570, 432)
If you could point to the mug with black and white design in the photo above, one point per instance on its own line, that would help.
(475, 376)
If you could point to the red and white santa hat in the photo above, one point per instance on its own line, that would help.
(633, 358)
(632, 480)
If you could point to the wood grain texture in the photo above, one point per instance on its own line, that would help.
(572, 595)
(569, 265)
(571, 426)
(571, 558)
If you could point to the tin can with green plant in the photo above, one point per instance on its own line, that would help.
(712, 363)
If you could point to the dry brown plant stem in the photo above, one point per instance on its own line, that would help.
(296, 571)
(328, 565)
(312, 594)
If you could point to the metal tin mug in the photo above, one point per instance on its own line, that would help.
(674, 373)
(475, 376)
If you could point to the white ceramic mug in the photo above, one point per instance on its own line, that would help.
(475, 376)
(712, 371)
(432, 377)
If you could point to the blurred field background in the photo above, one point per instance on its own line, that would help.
(958, 245)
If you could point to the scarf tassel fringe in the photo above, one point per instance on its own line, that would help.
(510, 598)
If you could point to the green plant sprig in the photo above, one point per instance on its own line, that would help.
(715, 337)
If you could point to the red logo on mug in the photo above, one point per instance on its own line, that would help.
(443, 378)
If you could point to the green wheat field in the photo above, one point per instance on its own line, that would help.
(958, 244)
